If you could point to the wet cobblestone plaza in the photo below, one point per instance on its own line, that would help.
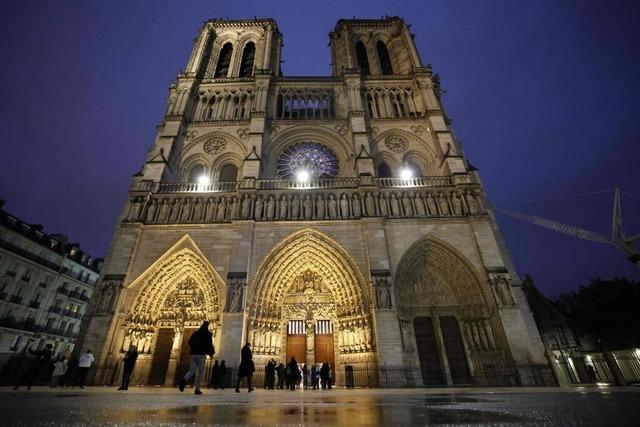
(106, 406)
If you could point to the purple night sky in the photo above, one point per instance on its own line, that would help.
(544, 97)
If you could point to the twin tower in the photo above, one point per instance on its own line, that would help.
(331, 219)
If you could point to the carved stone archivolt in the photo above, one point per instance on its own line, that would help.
(309, 276)
(181, 289)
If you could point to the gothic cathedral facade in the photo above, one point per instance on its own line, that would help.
(333, 219)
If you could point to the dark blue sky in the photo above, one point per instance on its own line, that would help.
(544, 95)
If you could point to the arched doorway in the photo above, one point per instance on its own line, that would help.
(168, 302)
(311, 299)
(448, 321)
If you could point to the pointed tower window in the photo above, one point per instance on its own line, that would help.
(246, 65)
(363, 60)
(224, 61)
(383, 57)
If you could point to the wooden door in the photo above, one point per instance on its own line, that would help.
(323, 346)
(430, 365)
(161, 355)
(454, 349)
(296, 341)
(183, 360)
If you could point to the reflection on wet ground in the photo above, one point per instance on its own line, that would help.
(105, 406)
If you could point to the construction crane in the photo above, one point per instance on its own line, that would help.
(618, 239)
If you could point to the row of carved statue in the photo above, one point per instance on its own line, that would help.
(292, 207)
(478, 334)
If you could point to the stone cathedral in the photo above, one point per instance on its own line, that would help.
(333, 219)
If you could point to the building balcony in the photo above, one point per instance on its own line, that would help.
(25, 279)
(54, 309)
(78, 296)
(63, 291)
(34, 304)
(15, 299)
(25, 325)
(344, 198)
(73, 314)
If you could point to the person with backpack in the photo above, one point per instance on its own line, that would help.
(201, 344)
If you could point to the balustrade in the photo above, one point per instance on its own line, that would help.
(392, 102)
(288, 200)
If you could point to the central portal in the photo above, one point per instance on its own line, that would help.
(310, 302)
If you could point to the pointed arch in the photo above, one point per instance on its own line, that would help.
(183, 262)
(433, 273)
(248, 56)
(309, 248)
(363, 59)
(383, 58)
(224, 61)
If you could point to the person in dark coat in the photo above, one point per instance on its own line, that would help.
(293, 374)
(314, 377)
(43, 357)
(246, 367)
(201, 343)
(129, 362)
(271, 375)
(325, 376)
(305, 377)
(281, 375)
(213, 381)
(222, 374)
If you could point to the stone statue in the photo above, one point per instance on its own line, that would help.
(382, 205)
(431, 204)
(186, 211)
(175, 211)
(344, 206)
(407, 336)
(197, 212)
(333, 207)
(235, 305)
(233, 209)
(395, 207)
(383, 294)
(417, 200)
(320, 207)
(270, 208)
(295, 208)
(134, 214)
(163, 211)
(456, 203)
(443, 205)
(357, 206)
(211, 210)
(258, 209)
(406, 204)
(221, 210)
(246, 207)
(308, 207)
(369, 205)
(151, 212)
(106, 302)
(284, 206)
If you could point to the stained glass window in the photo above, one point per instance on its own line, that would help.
(316, 159)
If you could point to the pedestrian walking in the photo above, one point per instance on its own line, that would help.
(246, 367)
(59, 369)
(201, 344)
(129, 362)
(84, 363)
(42, 358)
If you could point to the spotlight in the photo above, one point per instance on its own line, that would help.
(406, 173)
(203, 180)
(303, 175)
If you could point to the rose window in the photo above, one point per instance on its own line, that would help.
(309, 157)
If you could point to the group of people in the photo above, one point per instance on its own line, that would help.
(291, 375)
(64, 373)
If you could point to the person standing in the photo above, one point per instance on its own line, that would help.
(314, 376)
(324, 375)
(222, 373)
(281, 375)
(129, 362)
(246, 367)
(293, 374)
(305, 377)
(59, 369)
(213, 380)
(201, 344)
(42, 359)
(84, 363)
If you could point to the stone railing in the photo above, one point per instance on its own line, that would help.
(283, 200)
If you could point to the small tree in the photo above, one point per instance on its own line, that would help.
(608, 310)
